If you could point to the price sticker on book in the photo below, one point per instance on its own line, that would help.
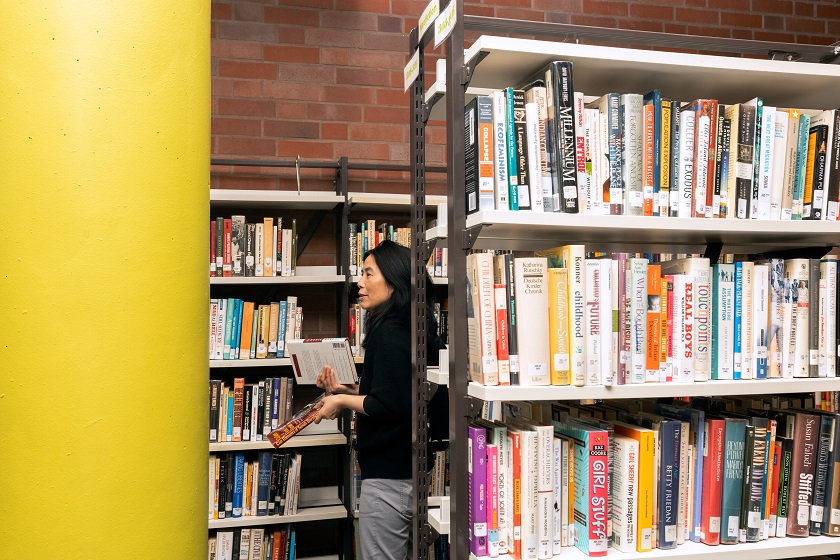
(670, 532)
(835, 516)
(561, 362)
(754, 519)
(714, 524)
(732, 527)
(817, 513)
(802, 515)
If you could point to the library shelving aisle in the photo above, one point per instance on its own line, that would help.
(323, 499)
(492, 63)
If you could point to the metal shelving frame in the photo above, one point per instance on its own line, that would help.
(460, 238)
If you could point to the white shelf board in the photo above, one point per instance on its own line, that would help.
(652, 390)
(391, 202)
(261, 199)
(681, 76)
(307, 440)
(313, 513)
(439, 281)
(438, 233)
(435, 376)
(438, 90)
(297, 279)
(265, 362)
(442, 527)
(788, 547)
(505, 229)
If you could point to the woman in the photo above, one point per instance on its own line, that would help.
(383, 402)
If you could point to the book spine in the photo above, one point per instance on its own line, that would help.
(654, 289)
(512, 162)
(821, 500)
(477, 477)
(564, 133)
(702, 134)
(775, 338)
(502, 354)
(785, 471)
(733, 476)
(492, 500)
(532, 321)
(801, 164)
(638, 296)
(227, 258)
(737, 362)
(624, 483)
(500, 177)
(746, 115)
(606, 323)
(833, 170)
(650, 162)
(592, 319)
(574, 258)
(532, 126)
(238, 480)
(471, 156)
(669, 483)
(815, 317)
(686, 170)
(521, 131)
(803, 470)
(758, 471)
(484, 122)
(558, 325)
(633, 140)
(765, 163)
(761, 313)
(614, 134)
(237, 243)
(713, 454)
(513, 338)
(723, 287)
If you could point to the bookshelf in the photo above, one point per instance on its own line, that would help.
(493, 63)
(317, 504)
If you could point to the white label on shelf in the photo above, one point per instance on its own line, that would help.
(267, 265)
(219, 262)
(213, 267)
(817, 513)
(569, 192)
(445, 23)
(714, 524)
(754, 519)
(561, 362)
(670, 533)
(214, 436)
(835, 516)
(646, 538)
(480, 529)
(259, 270)
(761, 352)
(742, 535)
(814, 357)
(514, 362)
(802, 515)
(490, 364)
(777, 357)
(636, 199)
(249, 260)
(411, 70)
(262, 504)
(732, 527)
(648, 192)
(237, 267)
(428, 17)
(261, 348)
(663, 199)
(781, 526)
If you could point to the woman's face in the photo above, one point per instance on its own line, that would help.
(373, 289)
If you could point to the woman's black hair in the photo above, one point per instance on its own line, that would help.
(394, 263)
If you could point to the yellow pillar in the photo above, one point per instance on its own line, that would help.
(104, 153)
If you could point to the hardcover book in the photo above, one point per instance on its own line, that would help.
(310, 355)
(296, 423)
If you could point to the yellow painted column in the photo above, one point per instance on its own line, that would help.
(104, 153)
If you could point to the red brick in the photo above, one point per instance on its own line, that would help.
(221, 87)
(828, 11)
(556, 6)
(385, 42)
(246, 31)
(327, 112)
(519, 13)
(803, 25)
(235, 49)
(775, 36)
(291, 35)
(480, 11)
(247, 88)
(235, 127)
(253, 183)
(640, 25)
(773, 23)
(290, 109)
(309, 73)
(358, 76)
(392, 97)
(350, 94)
(746, 34)
(737, 19)
(314, 150)
(292, 16)
(772, 6)
(377, 59)
(247, 12)
(333, 38)
(411, 8)
(247, 146)
(695, 3)
(812, 39)
(371, 6)
(708, 31)
(286, 53)
(386, 114)
(390, 24)
(733, 5)
(647, 11)
(290, 129)
(804, 9)
(349, 20)
(363, 150)
(597, 21)
(338, 57)
(696, 17)
(335, 131)
(220, 10)
(247, 107)
(605, 8)
(380, 132)
(286, 90)
(558, 17)
(239, 69)
(676, 28)
(324, 4)
(513, 3)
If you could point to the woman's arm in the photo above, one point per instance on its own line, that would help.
(332, 405)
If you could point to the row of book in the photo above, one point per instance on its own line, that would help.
(267, 486)
(357, 325)
(638, 476)
(259, 543)
(263, 248)
(545, 147)
(561, 318)
(244, 330)
(249, 411)
(367, 235)
(437, 265)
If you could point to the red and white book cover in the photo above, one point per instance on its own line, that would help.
(712, 481)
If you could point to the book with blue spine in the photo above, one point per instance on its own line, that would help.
(733, 479)
(238, 483)
(801, 164)
(512, 166)
(281, 330)
(654, 98)
(723, 298)
(229, 307)
(591, 494)
(236, 329)
(669, 476)
(229, 417)
(739, 296)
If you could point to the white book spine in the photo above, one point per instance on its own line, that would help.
(615, 351)
(532, 125)
(532, 320)
(686, 164)
(593, 317)
(797, 271)
(632, 165)
(256, 544)
(574, 257)
(683, 328)
(747, 338)
(830, 322)
(212, 488)
(703, 327)
(564, 488)
(583, 179)
(637, 292)
(258, 249)
(761, 314)
(778, 174)
(702, 128)
(625, 491)
(682, 494)
(500, 170)
(486, 313)
(286, 243)
(765, 170)
(528, 495)
(214, 315)
(606, 358)
(545, 489)
(220, 337)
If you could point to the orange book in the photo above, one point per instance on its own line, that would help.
(663, 329)
(247, 329)
(516, 477)
(268, 247)
(654, 322)
(305, 416)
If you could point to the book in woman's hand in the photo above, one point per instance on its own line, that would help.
(299, 421)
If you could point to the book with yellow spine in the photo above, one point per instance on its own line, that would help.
(644, 508)
(558, 327)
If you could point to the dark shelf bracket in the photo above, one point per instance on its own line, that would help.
(469, 68)
(470, 236)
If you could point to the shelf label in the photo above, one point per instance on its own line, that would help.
(444, 24)
(411, 70)
(428, 17)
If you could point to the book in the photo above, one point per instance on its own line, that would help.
(560, 128)
(477, 485)
(624, 484)
(803, 469)
(296, 423)
(532, 320)
(310, 355)
(481, 319)
(558, 325)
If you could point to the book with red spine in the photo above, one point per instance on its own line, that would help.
(296, 423)
(227, 258)
(492, 500)
(502, 351)
(712, 481)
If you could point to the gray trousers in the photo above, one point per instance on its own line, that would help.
(385, 519)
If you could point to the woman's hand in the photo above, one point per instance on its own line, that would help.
(327, 381)
(329, 408)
